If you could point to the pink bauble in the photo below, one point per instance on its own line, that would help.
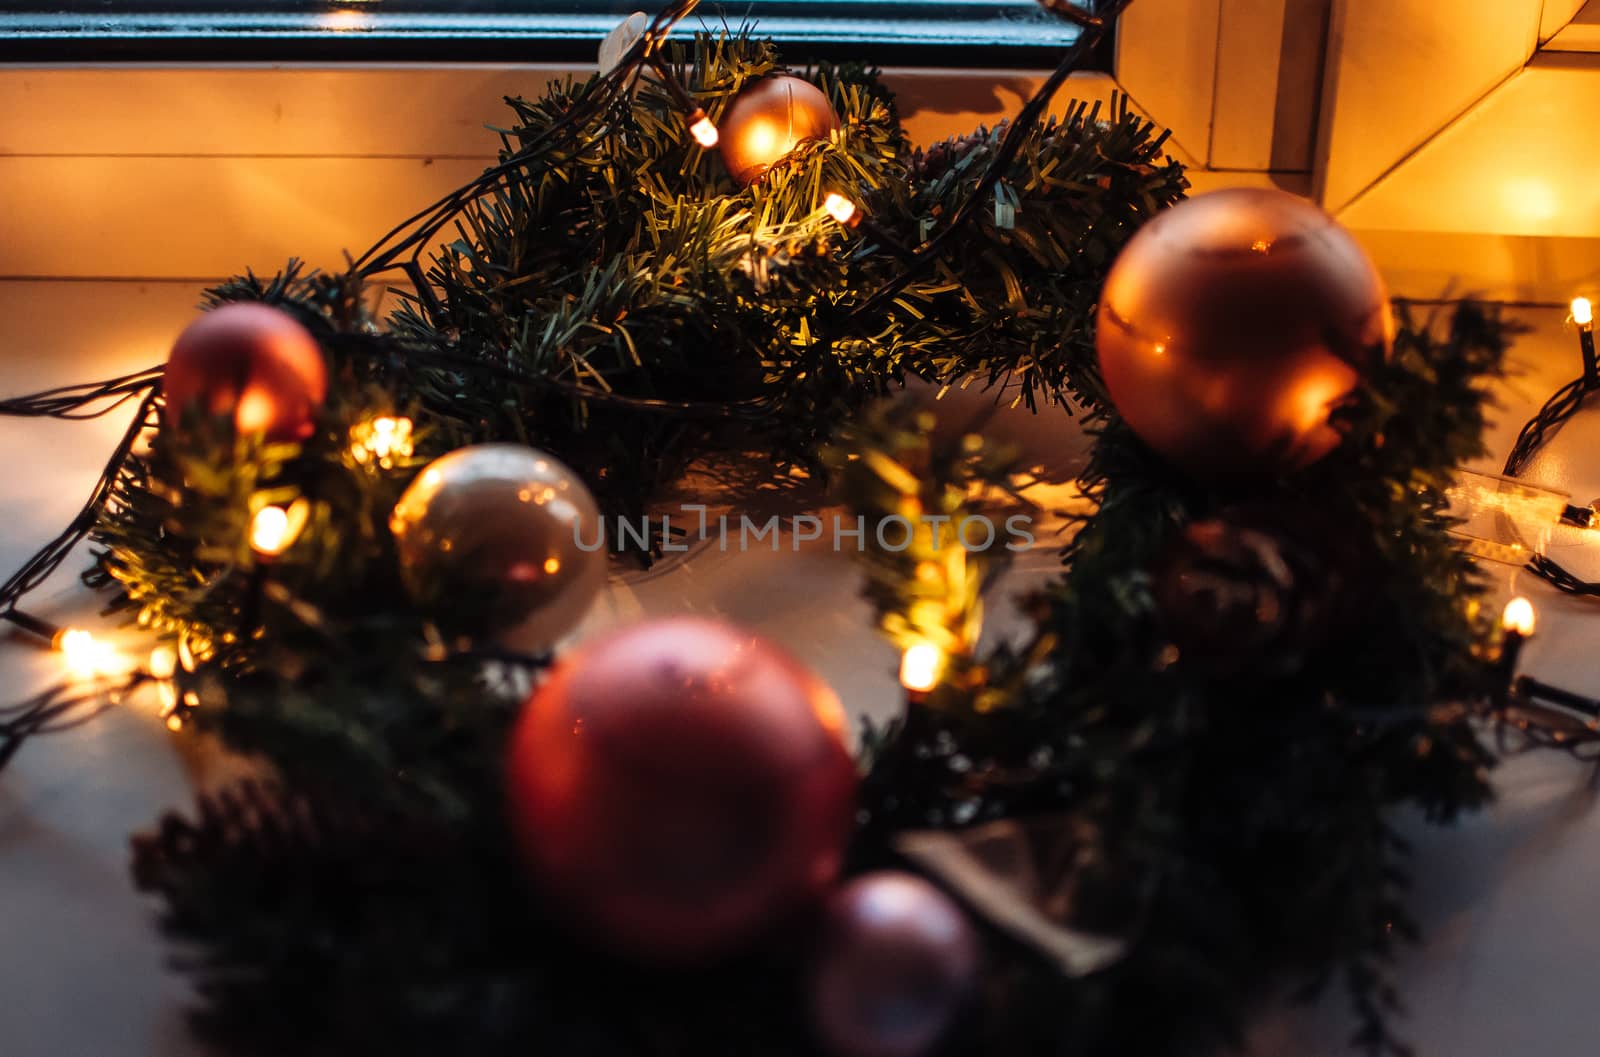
(896, 961)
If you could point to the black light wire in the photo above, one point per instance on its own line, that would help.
(1527, 709)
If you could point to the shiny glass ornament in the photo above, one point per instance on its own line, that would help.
(679, 787)
(252, 363)
(768, 119)
(896, 961)
(1233, 325)
(501, 541)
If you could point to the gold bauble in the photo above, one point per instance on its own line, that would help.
(767, 120)
(502, 541)
(1231, 327)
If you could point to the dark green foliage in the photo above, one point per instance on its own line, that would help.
(619, 302)
(1239, 825)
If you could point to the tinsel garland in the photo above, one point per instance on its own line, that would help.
(612, 297)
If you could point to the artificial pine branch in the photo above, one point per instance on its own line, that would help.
(1247, 810)
(613, 297)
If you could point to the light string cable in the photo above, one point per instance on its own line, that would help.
(39, 568)
(74, 702)
(1550, 716)
(400, 250)
(1094, 27)
(1536, 433)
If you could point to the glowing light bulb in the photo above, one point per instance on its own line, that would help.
(86, 657)
(840, 208)
(1519, 616)
(921, 666)
(269, 531)
(704, 132)
(274, 529)
(382, 441)
(1582, 311)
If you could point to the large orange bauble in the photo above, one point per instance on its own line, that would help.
(1233, 324)
(768, 119)
(252, 363)
(681, 786)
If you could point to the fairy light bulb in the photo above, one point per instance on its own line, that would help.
(1582, 311)
(841, 208)
(1519, 617)
(382, 441)
(274, 529)
(921, 665)
(703, 130)
(269, 531)
(86, 657)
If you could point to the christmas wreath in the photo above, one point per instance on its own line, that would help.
(361, 536)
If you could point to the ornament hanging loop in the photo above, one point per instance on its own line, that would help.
(1073, 13)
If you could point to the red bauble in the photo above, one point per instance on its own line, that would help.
(680, 786)
(250, 362)
(1231, 327)
(768, 119)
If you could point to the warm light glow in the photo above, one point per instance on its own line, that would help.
(1582, 311)
(703, 131)
(255, 412)
(345, 21)
(1519, 616)
(920, 667)
(840, 208)
(1532, 200)
(274, 529)
(86, 656)
(163, 662)
(552, 566)
(382, 441)
(763, 139)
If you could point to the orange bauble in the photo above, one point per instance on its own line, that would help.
(770, 118)
(681, 786)
(251, 363)
(1232, 326)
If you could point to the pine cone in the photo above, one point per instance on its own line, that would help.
(930, 163)
(252, 826)
(1250, 591)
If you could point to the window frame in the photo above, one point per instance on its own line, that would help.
(1001, 34)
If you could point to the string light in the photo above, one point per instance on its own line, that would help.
(274, 529)
(842, 209)
(852, 217)
(703, 130)
(87, 657)
(1519, 617)
(921, 665)
(382, 441)
(1583, 316)
(700, 125)
(1518, 620)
